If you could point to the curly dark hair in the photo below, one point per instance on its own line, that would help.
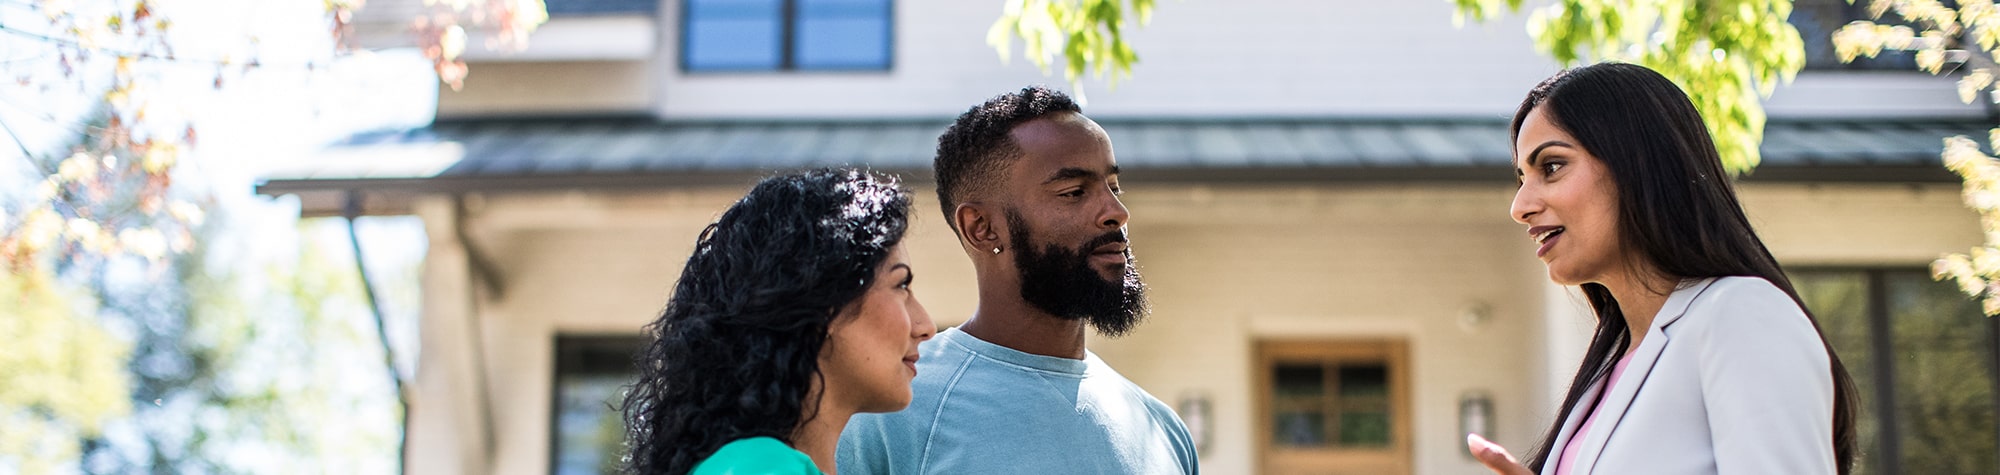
(736, 351)
(976, 147)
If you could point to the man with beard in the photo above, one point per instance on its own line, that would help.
(1031, 189)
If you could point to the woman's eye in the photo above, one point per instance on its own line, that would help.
(1550, 168)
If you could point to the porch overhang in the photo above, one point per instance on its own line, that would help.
(540, 155)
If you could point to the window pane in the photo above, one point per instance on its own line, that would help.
(590, 434)
(591, 375)
(733, 35)
(1839, 299)
(1365, 380)
(842, 34)
(1364, 429)
(1302, 429)
(1944, 385)
(1296, 380)
(1364, 405)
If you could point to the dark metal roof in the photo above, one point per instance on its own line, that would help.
(542, 153)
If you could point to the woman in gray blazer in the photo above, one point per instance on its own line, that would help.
(1705, 360)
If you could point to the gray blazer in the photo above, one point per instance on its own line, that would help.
(1731, 379)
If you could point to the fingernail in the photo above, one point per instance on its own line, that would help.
(1478, 444)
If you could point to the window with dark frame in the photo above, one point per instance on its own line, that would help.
(1816, 21)
(588, 429)
(1925, 361)
(1328, 405)
(786, 35)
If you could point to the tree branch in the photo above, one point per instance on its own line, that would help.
(26, 155)
(78, 45)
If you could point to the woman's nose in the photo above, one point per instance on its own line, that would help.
(1526, 204)
(920, 322)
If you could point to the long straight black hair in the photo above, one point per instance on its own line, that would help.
(1676, 207)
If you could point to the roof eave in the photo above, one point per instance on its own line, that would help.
(324, 197)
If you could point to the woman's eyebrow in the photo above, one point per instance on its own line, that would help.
(1535, 156)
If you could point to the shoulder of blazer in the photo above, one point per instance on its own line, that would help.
(1737, 302)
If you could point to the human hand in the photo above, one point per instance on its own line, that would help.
(1494, 456)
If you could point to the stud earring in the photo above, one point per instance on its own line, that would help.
(996, 250)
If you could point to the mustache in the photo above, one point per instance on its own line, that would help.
(1117, 236)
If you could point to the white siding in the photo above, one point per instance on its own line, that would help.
(1235, 59)
(1239, 58)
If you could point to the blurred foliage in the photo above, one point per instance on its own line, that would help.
(1089, 34)
(112, 193)
(61, 374)
(1727, 54)
(441, 32)
(258, 357)
(1962, 41)
(140, 331)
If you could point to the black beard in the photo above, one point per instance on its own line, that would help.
(1061, 282)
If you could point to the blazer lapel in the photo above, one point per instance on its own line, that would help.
(1571, 422)
(1619, 397)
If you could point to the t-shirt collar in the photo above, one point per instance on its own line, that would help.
(1015, 357)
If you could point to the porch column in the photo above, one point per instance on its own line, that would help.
(448, 431)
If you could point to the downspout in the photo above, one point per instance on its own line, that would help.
(484, 272)
(352, 210)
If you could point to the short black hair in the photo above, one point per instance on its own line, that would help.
(976, 147)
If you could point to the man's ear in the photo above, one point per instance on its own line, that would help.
(977, 227)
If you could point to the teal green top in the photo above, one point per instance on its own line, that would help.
(757, 456)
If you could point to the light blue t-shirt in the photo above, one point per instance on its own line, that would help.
(980, 408)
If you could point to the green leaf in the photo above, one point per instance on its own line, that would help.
(1090, 34)
(1727, 54)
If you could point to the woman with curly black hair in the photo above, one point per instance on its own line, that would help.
(793, 314)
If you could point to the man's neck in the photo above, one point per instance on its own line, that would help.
(1010, 322)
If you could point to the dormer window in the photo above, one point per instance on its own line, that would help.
(785, 35)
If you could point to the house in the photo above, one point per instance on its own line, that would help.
(1318, 191)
